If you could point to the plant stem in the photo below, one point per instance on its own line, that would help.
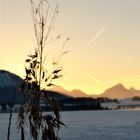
(10, 117)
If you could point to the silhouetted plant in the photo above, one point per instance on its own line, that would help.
(38, 78)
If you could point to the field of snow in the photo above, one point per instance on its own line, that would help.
(89, 125)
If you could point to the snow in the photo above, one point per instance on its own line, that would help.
(89, 125)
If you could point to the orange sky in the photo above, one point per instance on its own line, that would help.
(104, 49)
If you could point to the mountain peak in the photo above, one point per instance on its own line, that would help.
(119, 85)
(118, 91)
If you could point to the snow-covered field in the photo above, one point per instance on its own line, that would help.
(89, 125)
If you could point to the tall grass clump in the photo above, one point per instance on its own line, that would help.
(38, 77)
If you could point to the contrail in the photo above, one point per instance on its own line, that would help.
(94, 78)
(95, 37)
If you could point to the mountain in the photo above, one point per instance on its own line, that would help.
(135, 92)
(57, 95)
(78, 93)
(73, 93)
(9, 83)
(60, 90)
(8, 79)
(117, 92)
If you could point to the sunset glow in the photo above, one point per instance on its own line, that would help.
(104, 46)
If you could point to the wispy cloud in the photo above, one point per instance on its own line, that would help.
(95, 37)
(93, 78)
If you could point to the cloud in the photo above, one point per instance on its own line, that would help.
(93, 78)
(95, 37)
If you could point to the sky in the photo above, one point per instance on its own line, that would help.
(104, 48)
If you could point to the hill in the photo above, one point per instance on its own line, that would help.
(9, 83)
(8, 79)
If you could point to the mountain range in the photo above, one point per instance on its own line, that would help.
(73, 93)
(117, 91)
(9, 82)
(120, 92)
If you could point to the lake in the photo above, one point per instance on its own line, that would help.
(89, 125)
